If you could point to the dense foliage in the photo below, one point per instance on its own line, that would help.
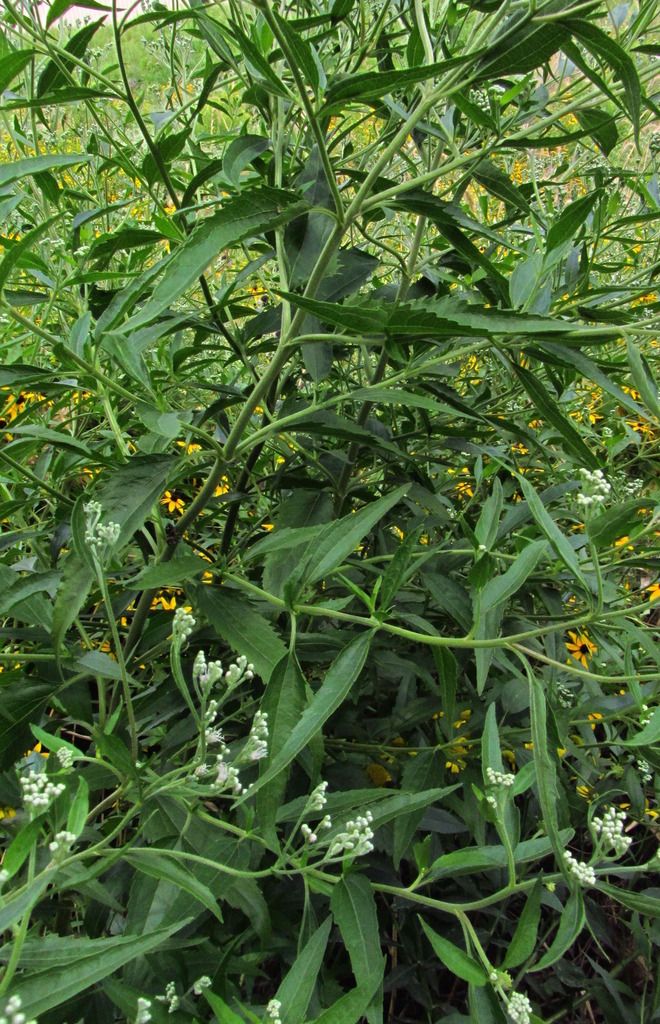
(329, 541)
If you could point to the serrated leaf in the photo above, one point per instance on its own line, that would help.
(246, 631)
(249, 214)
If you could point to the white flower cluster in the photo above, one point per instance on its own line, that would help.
(61, 843)
(356, 840)
(272, 1014)
(239, 670)
(256, 747)
(644, 769)
(610, 827)
(38, 790)
(66, 757)
(201, 984)
(644, 715)
(99, 536)
(496, 778)
(317, 798)
(519, 1008)
(143, 1011)
(206, 674)
(182, 625)
(212, 733)
(13, 1014)
(170, 997)
(310, 835)
(595, 488)
(583, 872)
(226, 776)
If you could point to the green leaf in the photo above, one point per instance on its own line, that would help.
(608, 51)
(570, 219)
(14, 907)
(302, 52)
(523, 51)
(336, 686)
(240, 154)
(491, 754)
(646, 737)
(643, 378)
(418, 776)
(58, 72)
(454, 959)
(372, 85)
(614, 522)
(549, 411)
(601, 126)
(647, 903)
(297, 988)
(571, 923)
(350, 1007)
(60, 7)
(223, 1013)
(339, 539)
(12, 65)
(12, 261)
(547, 524)
(157, 864)
(21, 845)
(245, 630)
(249, 214)
(354, 909)
(37, 164)
(78, 808)
(46, 989)
(500, 185)
(181, 569)
(501, 588)
(546, 770)
(126, 498)
(283, 702)
(523, 943)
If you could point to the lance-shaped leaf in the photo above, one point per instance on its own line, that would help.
(251, 213)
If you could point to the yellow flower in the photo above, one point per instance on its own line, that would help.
(172, 503)
(586, 792)
(7, 812)
(622, 541)
(654, 591)
(268, 526)
(594, 717)
(398, 532)
(580, 647)
(222, 488)
(378, 774)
